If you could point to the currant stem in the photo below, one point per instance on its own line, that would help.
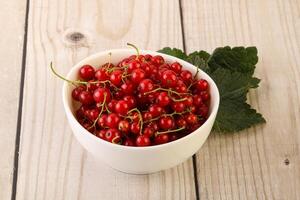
(109, 58)
(167, 115)
(137, 50)
(102, 109)
(141, 122)
(63, 78)
(170, 131)
(164, 89)
(114, 140)
(193, 83)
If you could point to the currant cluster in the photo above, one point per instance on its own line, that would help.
(141, 101)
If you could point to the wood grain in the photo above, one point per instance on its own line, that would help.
(11, 44)
(52, 164)
(262, 162)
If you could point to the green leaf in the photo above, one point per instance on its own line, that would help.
(235, 116)
(233, 85)
(173, 52)
(239, 59)
(234, 113)
(199, 59)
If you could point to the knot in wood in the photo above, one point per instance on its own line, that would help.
(286, 161)
(75, 37)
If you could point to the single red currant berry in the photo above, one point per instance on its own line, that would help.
(116, 77)
(163, 99)
(169, 79)
(181, 122)
(76, 92)
(93, 114)
(86, 72)
(101, 74)
(124, 126)
(100, 94)
(146, 85)
(113, 135)
(135, 128)
(111, 105)
(147, 116)
(166, 122)
(178, 106)
(134, 64)
(202, 85)
(142, 141)
(161, 139)
(191, 118)
(122, 107)
(176, 67)
(127, 88)
(157, 60)
(197, 100)
(137, 75)
(86, 98)
(148, 131)
(102, 120)
(130, 101)
(186, 76)
(112, 120)
(156, 110)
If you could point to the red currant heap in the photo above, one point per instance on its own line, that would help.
(140, 101)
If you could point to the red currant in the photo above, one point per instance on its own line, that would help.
(116, 77)
(100, 94)
(135, 128)
(166, 123)
(76, 92)
(163, 99)
(101, 74)
(112, 120)
(146, 85)
(169, 79)
(86, 72)
(202, 85)
(86, 98)
(122, 107)
(142, 141)
(137, 75)
(124, 126)
(161, 139)
(176, 67)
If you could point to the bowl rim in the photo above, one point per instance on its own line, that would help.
(67, 106)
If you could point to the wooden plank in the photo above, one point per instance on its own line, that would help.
(12, 18)
(52, 163)
(262, 162)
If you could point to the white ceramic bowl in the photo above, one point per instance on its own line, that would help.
(139, 160)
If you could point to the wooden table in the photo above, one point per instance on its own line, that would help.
(40, 159)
